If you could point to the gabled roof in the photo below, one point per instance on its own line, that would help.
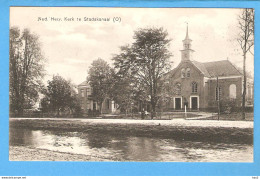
(85, 83)
(201, 67)
(221, 68)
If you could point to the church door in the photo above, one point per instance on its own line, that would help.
(194, 102)
(177, 103)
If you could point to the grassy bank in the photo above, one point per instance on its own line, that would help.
(178, 132)
(233, 117)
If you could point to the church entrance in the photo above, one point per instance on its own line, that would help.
(177, 103)
(194, 103)
(94, 106)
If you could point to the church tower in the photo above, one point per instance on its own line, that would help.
(186, 53)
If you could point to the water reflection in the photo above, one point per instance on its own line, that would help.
(130, 148)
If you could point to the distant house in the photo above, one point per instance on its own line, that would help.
(88, 104)
(194, 84)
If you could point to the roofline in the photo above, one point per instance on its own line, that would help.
(234, 67)
(191, 63)
(81, 84)
(225, 77)
(215, 61)
(229, 62)
(200, 70)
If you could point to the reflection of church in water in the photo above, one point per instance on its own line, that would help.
(194, 84)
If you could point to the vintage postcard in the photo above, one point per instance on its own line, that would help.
(131, 84)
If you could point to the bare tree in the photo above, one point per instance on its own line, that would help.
(246, 41)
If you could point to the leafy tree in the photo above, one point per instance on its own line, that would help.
(60, 96)
(26, 69)
(246, 41)
(100, 79)
(146, 60)
(122, 92)
(165, 92)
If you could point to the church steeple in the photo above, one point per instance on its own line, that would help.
(186, 53)
(187, 32)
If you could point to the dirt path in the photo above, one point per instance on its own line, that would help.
(174, 122)
(21, 153)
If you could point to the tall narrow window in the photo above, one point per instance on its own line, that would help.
(194, 87)
(88, 91)
(233, 91)
(249, 91)
(188, 72)
(88, 104)
(183, 73)
(218, 93)
(177, 89)
(108, 103)
(82, 93)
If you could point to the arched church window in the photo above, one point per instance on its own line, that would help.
(194, 87)
(183, 73)
(232, 91)
(188, 72)
(177, 89)
(249, 92)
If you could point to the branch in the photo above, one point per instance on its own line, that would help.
(251, 52)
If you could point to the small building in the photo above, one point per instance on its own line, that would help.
(88, 104)
(200, 85)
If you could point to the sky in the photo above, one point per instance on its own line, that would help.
(71, 46)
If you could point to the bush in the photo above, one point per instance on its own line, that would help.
(77, 112)
(249, 109)
(227, 106)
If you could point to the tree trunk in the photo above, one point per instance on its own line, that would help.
(100, 107)
(244, 89)
(153, 107)
(153, 110)
(20, 111)
(244, 68)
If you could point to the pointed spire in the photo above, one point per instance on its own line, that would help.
(187, 31)
(187, 51)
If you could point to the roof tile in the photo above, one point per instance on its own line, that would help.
(221, 68)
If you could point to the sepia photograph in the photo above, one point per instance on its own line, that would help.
(131, 84)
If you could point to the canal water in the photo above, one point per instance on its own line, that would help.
(130, 148)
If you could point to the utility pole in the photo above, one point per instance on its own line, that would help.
(185, 115)
(218, 96)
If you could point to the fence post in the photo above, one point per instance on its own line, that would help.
(185, 114)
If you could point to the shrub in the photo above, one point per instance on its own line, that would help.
(227, 106)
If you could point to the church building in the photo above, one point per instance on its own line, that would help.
(200, 85)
